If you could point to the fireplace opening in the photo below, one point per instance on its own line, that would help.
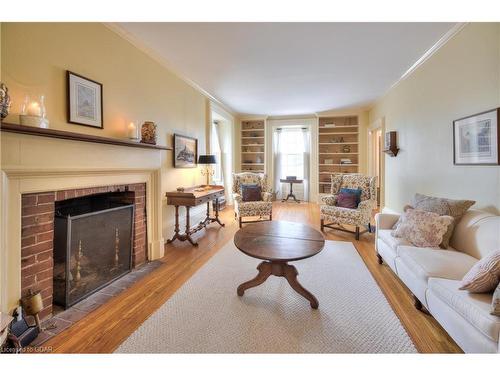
(93, 242)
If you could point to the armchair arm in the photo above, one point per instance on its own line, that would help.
(386, 221)
(237, 197)
(367, 205)
(329, 200)
(266, 196)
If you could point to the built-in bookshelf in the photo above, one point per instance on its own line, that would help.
(253, 146)
(338, 148)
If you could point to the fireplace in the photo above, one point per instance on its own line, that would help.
(38, 254)
(93, 241)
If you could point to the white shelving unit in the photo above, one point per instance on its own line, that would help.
(253, 146)
(338, 138)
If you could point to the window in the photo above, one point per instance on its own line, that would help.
(291, 148)
(216, 150)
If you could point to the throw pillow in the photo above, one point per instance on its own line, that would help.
(495, 302)
(443, 206)
(347, 200)
(357, 192)
(422, 228)
(484, 276)
(251, 193)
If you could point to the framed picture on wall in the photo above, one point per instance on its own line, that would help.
(185, 151)
(84, 101)
(476, 139)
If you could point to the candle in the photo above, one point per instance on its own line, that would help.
(132, 130)
(34, 109)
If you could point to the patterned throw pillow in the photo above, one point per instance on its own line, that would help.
(443, 206)
(422, 228)
(356, 192)
(251, 193)
(484, 276)
(347, 200)
(495, 302)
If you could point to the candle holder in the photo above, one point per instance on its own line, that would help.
(133, 131)
(33, 113)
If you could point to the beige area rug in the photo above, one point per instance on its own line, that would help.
(206, 316)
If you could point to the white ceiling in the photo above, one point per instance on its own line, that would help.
(289, 68)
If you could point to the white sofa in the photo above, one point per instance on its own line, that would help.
(433, 276)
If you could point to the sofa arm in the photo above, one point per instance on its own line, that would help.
(386, 221)
(267, 197)
(329, 200)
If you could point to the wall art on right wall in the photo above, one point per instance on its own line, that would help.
(476, 139)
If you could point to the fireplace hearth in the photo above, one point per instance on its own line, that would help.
(93, 241)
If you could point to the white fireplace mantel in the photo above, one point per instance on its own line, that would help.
(33, 164)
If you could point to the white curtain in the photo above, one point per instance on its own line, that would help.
(277, 163)
(219, 133)
(306, 160)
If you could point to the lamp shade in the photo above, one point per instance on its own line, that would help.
(206, 159)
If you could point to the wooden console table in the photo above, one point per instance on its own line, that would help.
(191, 197)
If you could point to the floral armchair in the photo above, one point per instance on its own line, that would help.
(246, 209)
(335, 217)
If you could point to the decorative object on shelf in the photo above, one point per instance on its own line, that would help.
(258, 160)
(148, 133)
(32, 305)
(4, 101)
(207, 161)
(346, 149)
(133, 131)
(328, 161)
(33, 113)
(341, 140)
(476, 139)
(85, 101)
(390, 144)
(345, 161)
(185, 151)
(330, 125)
(180, 189)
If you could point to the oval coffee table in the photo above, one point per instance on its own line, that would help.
(277, 243)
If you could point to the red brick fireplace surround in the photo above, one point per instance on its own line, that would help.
(37, 234)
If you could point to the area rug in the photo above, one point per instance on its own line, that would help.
(206, 316)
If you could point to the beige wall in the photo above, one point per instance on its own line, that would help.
(460, 79)
(35, 57)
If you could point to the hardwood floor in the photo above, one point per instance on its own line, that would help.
(103, 330)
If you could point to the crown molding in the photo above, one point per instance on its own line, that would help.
(140, 45)
(431, 51)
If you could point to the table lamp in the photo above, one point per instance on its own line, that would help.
(207, 161)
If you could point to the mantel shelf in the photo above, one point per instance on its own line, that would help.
(61, 134)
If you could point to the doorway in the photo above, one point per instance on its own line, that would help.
(376, 157)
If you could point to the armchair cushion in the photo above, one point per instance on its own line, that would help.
(251, 193)
(356, 192)
(347, 200)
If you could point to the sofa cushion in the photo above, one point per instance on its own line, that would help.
(474, 308)
(429, 262)
(422, 228)
(443, 206)
(495, 302)
(347, 200)
(390, 240)
(251, 193)
(484, 276)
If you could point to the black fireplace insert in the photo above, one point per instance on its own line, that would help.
(93, 242)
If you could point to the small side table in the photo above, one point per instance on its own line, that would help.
(290, 194)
